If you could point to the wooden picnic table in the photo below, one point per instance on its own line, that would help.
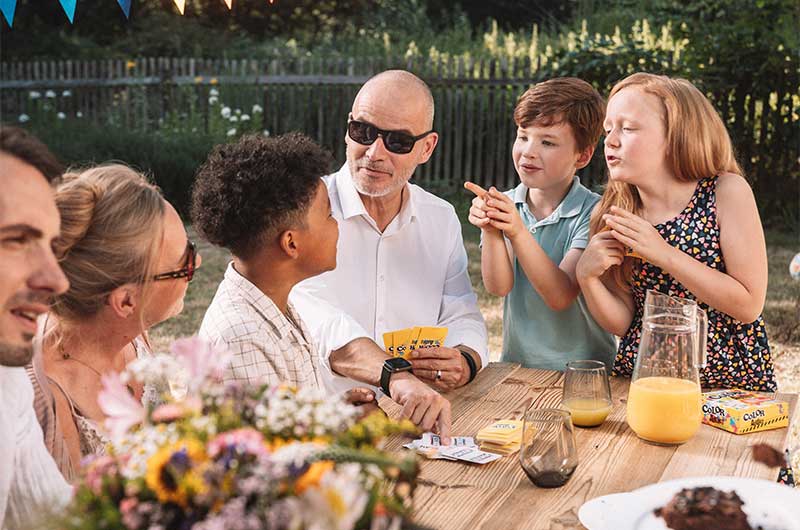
(498, 495)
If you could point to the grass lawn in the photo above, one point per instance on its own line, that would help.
(782, 310)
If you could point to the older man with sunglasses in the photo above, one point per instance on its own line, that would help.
(30, 482)
(401, 258)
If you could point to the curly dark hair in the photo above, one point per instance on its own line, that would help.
(249, 191)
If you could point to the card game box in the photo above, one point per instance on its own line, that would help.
(741, 412)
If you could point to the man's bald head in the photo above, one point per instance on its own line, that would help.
(404, 89)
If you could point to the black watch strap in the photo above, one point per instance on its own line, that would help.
(386, 375)
(473, 368)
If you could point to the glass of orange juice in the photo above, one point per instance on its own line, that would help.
(587, 393)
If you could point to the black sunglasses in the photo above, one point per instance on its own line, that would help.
(188, 269)
(395, 141)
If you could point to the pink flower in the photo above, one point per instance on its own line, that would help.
(97, 467)
(242, 441)
(130, 518)
(175, 411)
(122, 410)
(201, 359)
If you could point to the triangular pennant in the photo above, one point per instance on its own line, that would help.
(69, 8)
(126, 7)
(8, 7)
(181, 5)
(229, 3)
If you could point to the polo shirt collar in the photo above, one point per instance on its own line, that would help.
(352, 205)
(570, 205)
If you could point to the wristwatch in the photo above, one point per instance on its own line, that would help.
(392, 366)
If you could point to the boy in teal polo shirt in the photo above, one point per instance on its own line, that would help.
(532, 236)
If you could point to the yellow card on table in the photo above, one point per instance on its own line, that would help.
(402, 341)
(388, 342)
(502, 432)
(431, 337)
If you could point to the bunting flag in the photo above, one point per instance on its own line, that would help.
(229, 3)
(69, 8)
(181, 5)
(8, 7)
(126, 7)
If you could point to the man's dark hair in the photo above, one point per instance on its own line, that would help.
(250, 191)
(21, 144)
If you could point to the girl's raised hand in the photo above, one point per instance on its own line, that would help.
(602, 253)
(503, 213)
(638, 235)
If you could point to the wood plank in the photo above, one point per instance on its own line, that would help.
(611, 458)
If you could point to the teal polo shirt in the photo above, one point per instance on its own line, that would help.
(533, 334)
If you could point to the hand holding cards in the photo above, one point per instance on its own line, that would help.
(402, 342)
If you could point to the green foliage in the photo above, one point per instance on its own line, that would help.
(171, 159)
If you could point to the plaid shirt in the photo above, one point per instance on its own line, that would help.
(266, 345)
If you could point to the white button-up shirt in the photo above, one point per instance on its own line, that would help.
(412, 274)
(31, 486)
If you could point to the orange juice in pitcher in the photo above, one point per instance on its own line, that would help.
(664, 400)
(678, 403)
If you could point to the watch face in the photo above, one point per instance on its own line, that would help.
(397, 364)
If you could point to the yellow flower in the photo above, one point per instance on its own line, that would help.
(335, 502)
(312, 476)
(174, 472)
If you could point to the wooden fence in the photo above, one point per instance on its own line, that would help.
(474, 104)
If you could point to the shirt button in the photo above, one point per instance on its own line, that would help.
(380, 278)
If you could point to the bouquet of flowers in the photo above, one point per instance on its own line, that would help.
(235, 457)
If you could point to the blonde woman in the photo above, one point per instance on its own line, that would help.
(128, 260)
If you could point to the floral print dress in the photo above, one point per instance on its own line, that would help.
(738, 353)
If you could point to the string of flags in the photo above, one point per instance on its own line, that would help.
(8, 7)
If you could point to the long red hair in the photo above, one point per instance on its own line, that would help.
(698, 146)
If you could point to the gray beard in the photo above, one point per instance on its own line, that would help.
(15, 355)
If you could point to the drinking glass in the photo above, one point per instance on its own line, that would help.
(178, 383)
(548, 454)
(587, 393)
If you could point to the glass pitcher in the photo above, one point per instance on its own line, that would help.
(664, 401)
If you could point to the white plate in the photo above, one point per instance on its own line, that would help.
(771, 505)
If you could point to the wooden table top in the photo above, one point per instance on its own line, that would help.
(498, 495)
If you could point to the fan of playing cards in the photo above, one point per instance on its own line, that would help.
(402, 342)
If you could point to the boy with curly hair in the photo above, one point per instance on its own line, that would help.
(263, 200)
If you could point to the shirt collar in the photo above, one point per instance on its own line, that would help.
(570, 205)
(352, 205)
(261, 302)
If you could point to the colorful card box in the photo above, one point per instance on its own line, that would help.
(741, 412)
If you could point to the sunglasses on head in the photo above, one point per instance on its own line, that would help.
(397, 142)
(187, 271)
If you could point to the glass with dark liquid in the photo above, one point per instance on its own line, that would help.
(548, 454)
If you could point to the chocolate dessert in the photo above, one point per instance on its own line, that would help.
(704, 509)
(768, 455)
